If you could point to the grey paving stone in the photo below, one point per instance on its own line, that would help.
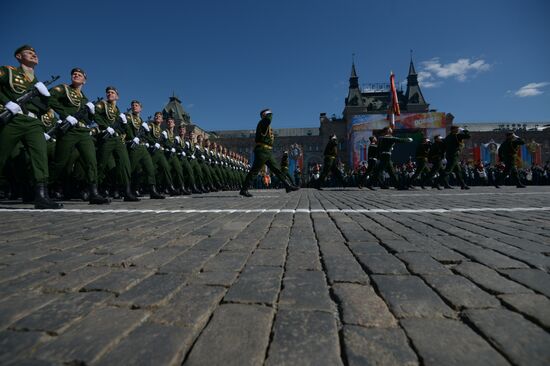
(217, 278)
(189, 261)
(268, 257)
(401, 246)
(303, 261)
(61, 313)
(460, 292)
(151, 292)
(360, 305)
(150, 344)
(367, 248)
(382, 264)
(29, 282)
(304, 338)
(409, 297)
(523, 342)
(535, 306)
(86, 340)
(305, 290)
(227, 261)
(236, 335)
(533, 278)
(118, 281)
(20, 305)
(368, 346)
(489, 279)
(256, 284)
(344, 268)
(423, 263)
(190, 307)
(158, 257)
(494, 260)
(14, 346)
(449, 342)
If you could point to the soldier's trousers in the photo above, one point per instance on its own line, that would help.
(188, 172)
(437, 167)
(162, 167)
(386, 165)
(113, 148)
(262, 156)
(30, 132)
(140, 158)
(197, 173)
(330, 166)
(453, 166)
(421, 167)
(286, 172)
(66, 144)
(176, 170)
(509, 169)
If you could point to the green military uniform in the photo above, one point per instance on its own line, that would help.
(113, 146)
(262, 156)
(385, 147)
(454, 143)
(195, 167)
(372, 156)
(330, 163)
(140, 159)
(182, 147)
(507, 153)
(202, 160)
(159, 159)
(174, 161)
(26, 128)
(67, 101)
(285, 163)
(422, 152)
(435, 157)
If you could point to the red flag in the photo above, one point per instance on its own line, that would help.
(394, 105)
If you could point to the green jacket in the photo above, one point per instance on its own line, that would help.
(508, 150)
(385, 143)
(331, 150)
(454, 143)
(13, 84)
(264, 133)
(66, 101)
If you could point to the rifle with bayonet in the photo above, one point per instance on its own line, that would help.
(142, 132)
(37, 90)
(82, 114)
(117, 127)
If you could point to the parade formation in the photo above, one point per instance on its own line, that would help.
(56, 144)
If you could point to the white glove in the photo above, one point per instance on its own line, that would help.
(173, 150)
(123, 118)
(193, 157)
(409, 139)
(47, 137)
(203, 157)
(136, 140)
(146, 144)
(111, 131)
(460, 129)
(73, 121)
(157, 146)
(178, 139)
(165, 134)
(145, 126)
(183, 153)
(42, 89)
(206, 149)
(14, 108)
(187, 143)
(91, 107)
(444, 161)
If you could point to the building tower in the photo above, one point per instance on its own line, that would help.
(413, 96)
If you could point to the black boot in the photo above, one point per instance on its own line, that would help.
(184, 191)
(153, 193)
(195, 189)
(129, 196)
(173, 191)
(289, 186)
(95, 198)
(244, 192)
(41, 199)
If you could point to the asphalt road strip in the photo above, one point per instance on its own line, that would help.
(300, 210)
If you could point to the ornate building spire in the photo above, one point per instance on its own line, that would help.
(415, 100)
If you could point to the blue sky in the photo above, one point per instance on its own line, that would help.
(484, 61)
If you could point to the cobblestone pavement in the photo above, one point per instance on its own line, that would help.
(334, 277)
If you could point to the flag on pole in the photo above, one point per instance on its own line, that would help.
(394, 104)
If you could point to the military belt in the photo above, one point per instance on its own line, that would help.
(259, 144)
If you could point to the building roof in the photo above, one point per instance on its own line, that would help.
(175, 109)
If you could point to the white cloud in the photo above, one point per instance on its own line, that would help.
(426, 79)
(461, 70)
(531, 89)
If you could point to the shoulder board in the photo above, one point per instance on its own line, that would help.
(99, 105)
(59, 88)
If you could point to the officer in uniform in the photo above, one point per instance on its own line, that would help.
(422, 152)
(330, 163)
(435, 157)
(26, 126)
(285, 163)
(66, 101)
(172, 157)
(183, 146)
(454, 144)
(137, 138)
(112, 127)
(208, 183)
(158, 141)
(385, 147)
(263, 156)
(372, 156)
(507, 153)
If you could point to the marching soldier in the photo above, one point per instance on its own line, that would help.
(208, 183)
(67, 101)
(435, 157)
(422, 152)
(183, 151)
(158, 141)
(285, 163)
(25, 125)
(137, 136)
(111, 124)
(385, 147)
(372, 154)
(330, 163)
(454, 144)
(192, 154)
(172, 157)
(263, 156)
(507, 153)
